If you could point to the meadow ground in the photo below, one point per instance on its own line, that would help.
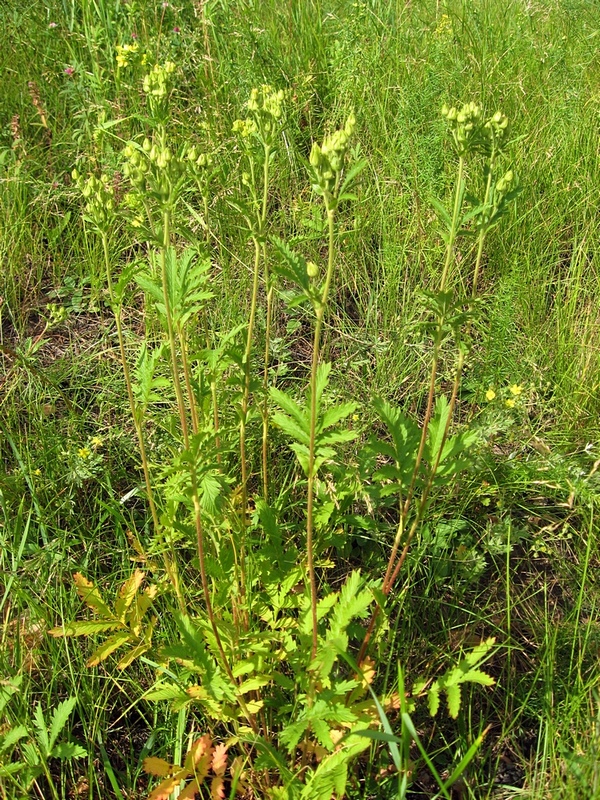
(443, 329)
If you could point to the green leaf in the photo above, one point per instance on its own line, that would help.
(42, 730)
(322, 380)
(68, 750)
(437, 428)
(59, 719)
(292, 409)
(11, 737)
(433, 699)
(334, 415)
(453, 697)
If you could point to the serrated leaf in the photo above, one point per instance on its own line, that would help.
(289, 426)
(475, 655)
(66, 751)
(85, 628)
(11, 737)
(477, 676)
(433, 699)
(252, 684)
(127, 593)
(91, 596)
(59, 719)
(322, 379)
(334, 415)
(109, 646)
(130, 657)
(437, 428)
(164, 790)
(442, 212)
(291, 408)
(158, 767)
(42, 730)
(453, 697)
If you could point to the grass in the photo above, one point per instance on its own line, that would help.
(512, 550)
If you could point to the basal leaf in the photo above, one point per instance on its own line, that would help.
(453, 696)
(59, 718)
(108, 647)
(66, 751)
(85, 628)
(127, 593)
(91, 596)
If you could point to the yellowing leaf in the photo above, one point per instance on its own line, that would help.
(217, 788)
(109, 646)
(199, 756)
(165, 789)
(190, 791)
(127, 593)
(84, 628)
(158, 767)
(129, 657)
(219, 759)
(91, 596)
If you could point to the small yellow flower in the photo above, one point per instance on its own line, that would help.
(96, 442)
(515, 389)
(490, 395)
(510, 403)
(84, 452)
(355, 417)
(37, 472)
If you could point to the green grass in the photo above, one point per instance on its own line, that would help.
(534, 484)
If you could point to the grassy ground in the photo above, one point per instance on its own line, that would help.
(512, 550)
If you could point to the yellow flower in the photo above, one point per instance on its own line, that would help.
(84, 452)
(515, 389)
(509, 403)
(37, 472)
(96, 442)
(490, 395)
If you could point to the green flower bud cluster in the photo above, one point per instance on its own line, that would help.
(327, 160)
(266, 114)
(497, 130)
(199, 164)
(506, 183)
(465, 126)
(471, 134)
(100, 199)
(156, 82)
(245, 127)
(154, 168)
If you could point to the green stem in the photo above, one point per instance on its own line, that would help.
(320, 311)
(269, 313)
(394, 566)
(171, 330)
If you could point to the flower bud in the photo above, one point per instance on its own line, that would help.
(312, 270)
